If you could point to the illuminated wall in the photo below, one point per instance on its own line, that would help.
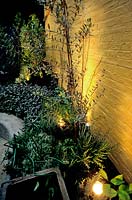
(107, 74)
(55, 47)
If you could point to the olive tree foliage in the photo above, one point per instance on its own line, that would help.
(65, 16)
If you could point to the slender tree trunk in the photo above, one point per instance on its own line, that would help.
(71, 81)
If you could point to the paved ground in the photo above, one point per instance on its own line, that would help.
(9, 125)
(2, 152)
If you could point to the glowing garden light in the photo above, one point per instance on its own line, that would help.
(97, 188)
(87, 124)
(61, 122)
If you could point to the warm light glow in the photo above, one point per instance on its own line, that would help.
(61, 122)
(98, 188)
(87, 124)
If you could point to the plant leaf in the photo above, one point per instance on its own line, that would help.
(130, 188)
(117, 180)
(108, 191)
(123, 195)
(103, 174)
(51, 192)
(36, 186)
(124, 187)
(113, 193)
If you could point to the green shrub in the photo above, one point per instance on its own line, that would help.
(32, 42)
(22, 52)
(8, 55)
(65, 147)
(54, 135)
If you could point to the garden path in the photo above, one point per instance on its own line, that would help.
(9, 125)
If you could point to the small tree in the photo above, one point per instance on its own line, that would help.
(65, 16)
(32, 41)
(72, 44)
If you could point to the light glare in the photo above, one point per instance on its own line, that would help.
(61, 122)
(87, 124)
(98, 188)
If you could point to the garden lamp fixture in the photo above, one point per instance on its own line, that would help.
(97, 188)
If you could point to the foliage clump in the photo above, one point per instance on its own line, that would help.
(55, 137)
(8, 55)
(22, 50)
(116, 187)
(32, 42)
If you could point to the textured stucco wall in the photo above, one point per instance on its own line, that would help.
(57, 45)
(108, 75)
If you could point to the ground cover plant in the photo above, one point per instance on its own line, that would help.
(22, 99)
